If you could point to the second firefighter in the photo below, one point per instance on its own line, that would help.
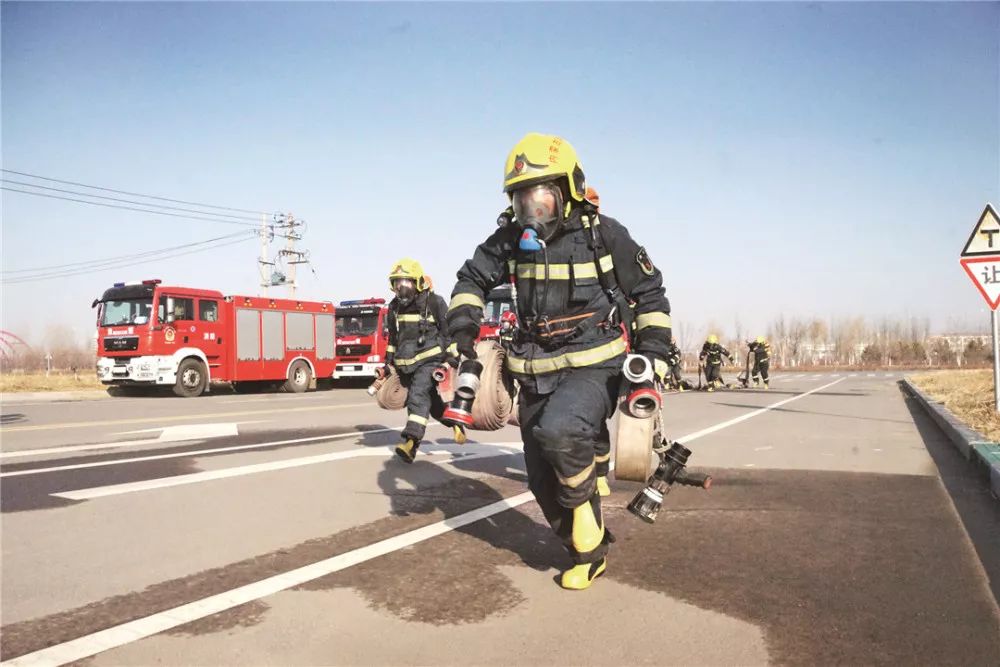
(418, 343)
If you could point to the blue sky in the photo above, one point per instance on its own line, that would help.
(799, 159)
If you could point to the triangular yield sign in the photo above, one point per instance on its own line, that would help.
(985, 238)
(985, 273)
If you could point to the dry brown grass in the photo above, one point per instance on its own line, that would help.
(968, 394)
(19, 382)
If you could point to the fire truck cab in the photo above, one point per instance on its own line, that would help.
(362, 338)
(150, 334)
(498, 302)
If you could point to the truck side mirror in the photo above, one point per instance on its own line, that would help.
(94, 305)
(170, 310)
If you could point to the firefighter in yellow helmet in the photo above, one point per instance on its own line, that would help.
(418, 343)
(711, 357)
(761, 361)
(575, 270)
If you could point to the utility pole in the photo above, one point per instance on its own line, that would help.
(272, 273)
(292, 256)
(264, 264)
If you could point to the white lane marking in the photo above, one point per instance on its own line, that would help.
(126, 633)
(853, 375)
(750, 415)
(168, 434)
(252, 469)
(166, 418)
(762, 449)
(194, 453)
(890, 375)
(836, 375)
(131, 631)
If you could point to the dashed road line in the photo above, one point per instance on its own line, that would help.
(193, 453)
(207, 415)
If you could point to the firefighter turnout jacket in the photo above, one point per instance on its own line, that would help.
(417, 331)
(712, 354)
(572, 298)
(761, 351)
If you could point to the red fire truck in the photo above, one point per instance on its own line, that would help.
(498, 302)
(149, 334)
(362, 337)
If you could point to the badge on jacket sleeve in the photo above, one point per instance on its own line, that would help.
(646, 264)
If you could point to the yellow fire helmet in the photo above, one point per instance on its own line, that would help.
(713, 339)
(760, 339)
(409, 268)
(538, 158)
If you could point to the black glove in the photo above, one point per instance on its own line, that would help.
(465, 343)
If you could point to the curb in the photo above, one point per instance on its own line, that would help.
(971, 444)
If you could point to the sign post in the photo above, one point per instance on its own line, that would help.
(981, 261)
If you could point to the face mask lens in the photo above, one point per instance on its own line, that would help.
(539, 207)
(405, 289)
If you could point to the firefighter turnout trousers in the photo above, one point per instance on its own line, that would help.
(422, 400)
(566, 442)
(760, 369)
(713, 373)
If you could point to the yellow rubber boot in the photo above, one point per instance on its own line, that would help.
(580, 577)
(407, 451)
(460, 436)
(588, 530)
(603, 490)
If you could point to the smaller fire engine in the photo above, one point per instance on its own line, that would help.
(498, 302)
(149, 334)
(362, 338)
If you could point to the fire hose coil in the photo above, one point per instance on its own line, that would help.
(495, 400)
(391, 395)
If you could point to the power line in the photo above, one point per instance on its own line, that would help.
(133, 194)
(119, 258)
(129, 208)
(128, 201)
(65, 274)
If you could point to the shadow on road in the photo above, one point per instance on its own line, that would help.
(969, 491)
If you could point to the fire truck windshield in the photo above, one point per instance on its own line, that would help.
(127, 311)
(356, 324)
(494, 309)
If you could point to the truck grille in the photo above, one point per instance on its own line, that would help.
(353, 350)
(121, 343)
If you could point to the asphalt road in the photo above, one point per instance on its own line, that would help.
(278, 529)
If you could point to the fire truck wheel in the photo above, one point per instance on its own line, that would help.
(299, 377)
(191, 379)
